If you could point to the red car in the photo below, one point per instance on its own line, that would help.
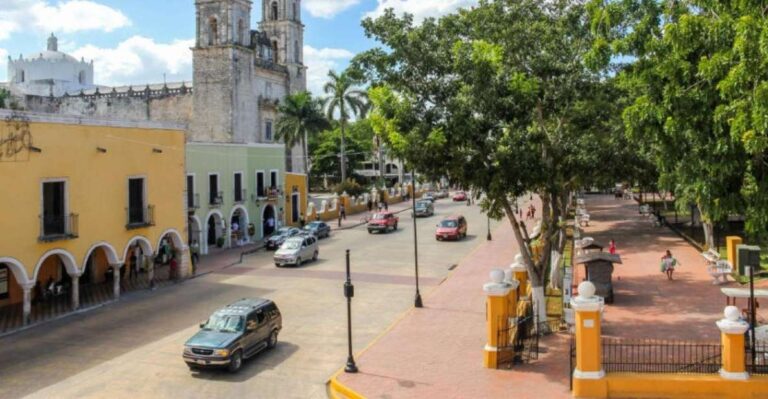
(451, 228)
(382, 221)
(459, 196)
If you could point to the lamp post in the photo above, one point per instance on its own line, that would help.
(417, 302)
(349, 292)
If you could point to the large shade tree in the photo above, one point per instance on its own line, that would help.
(696, 72)
(498, 99)
(346, 100)
(301, 116)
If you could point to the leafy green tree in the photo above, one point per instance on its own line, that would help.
(325, 148)
(5, 96)
(691, 109)
(301, 116)
(498, 99)
(348, 101)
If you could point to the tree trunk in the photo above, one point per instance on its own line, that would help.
(709, 235)
(343, 154)
(381, 161)
(305, 147)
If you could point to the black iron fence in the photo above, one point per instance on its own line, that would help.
(193, 201)
(58, 227)
(216, 198)
(656, 356)
(138, 216)
(757, 359)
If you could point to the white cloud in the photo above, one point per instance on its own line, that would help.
(66, 16)
(319, 62)
(139, 60)
(328, 8)
(421, 9)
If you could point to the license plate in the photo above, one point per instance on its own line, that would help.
(200, 361)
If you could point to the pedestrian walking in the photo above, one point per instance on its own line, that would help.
(343, 212)
(173, 268)
(612, 247)
(302, 222)
(194, 249)
(339, 219)
(668, 264)
(370, 205)
(134, 263)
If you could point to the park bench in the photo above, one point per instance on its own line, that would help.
(583, 219)
(645, 209)
(720, 271)
(711, 256)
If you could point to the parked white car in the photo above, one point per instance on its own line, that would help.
(297, 250)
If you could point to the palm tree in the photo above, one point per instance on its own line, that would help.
(346, 100)
(300, 116)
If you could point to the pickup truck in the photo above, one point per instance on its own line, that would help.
(382, 222)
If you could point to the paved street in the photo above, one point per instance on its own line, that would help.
(132, 349)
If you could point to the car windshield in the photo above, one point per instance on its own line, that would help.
(224, 323)
(379, 216)
(448, 223)
(420, 205)
(291, 244)
(283, 231)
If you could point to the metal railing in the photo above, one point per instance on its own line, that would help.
(661, 356)
(193, 201)
(216, 200)
(138, 217)
(240, 196)
(273, 193)
(58, 227)
(757, 359)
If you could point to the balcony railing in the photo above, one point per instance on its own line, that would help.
(193, 201)
(58, 227)
(273, 193)
(216, 200)
(240, 196)
(138, 217)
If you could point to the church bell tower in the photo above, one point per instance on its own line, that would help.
(281, 21)
(222, 79)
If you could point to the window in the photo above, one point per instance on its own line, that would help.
(81, 77)
(213, 189)
(22, 76)
(54, 208)
(191, 192)
(268, 130)
(260, 185)
(296, 52)
(4, 276)
(213, 31)
(273, 179)
(295, 13)
(136, 206)
(240, 32)
(239, 187)
(273, 11)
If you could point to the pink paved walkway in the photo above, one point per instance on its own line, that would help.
(436, 352)
(647, 304)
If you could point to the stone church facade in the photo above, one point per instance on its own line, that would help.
(240, 76)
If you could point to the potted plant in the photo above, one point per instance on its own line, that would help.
(220, 242)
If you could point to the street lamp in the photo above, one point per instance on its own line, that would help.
(417, 302)
(349, 292)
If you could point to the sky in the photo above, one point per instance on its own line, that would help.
(138, 41)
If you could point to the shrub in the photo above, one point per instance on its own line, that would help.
(220, 242)
(352, 188)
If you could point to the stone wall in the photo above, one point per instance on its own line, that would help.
(176, 108)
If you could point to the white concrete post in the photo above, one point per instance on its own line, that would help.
(116, 281)
(27, 305)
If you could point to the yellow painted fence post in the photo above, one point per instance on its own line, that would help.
(732, 331)
(512, 295)
(588, 376)
(521, 274)
(496, 313)
(731, 243)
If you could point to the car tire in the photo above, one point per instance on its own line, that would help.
(395, 226)
(193, 367)
(370, 231)
(272, 340)
(298, 261)
(277, 265)
(236, 362)
(314, 256)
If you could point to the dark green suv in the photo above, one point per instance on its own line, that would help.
(234, 333)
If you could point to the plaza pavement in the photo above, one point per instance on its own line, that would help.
(436, 352)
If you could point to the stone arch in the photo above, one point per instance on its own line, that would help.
(195, 229)
(66, 258)
(264, 220)
(219, 224)
(176, 237)
(18, 270)
(213, 31)
(109, 250)
(243, 224)
(146, 246)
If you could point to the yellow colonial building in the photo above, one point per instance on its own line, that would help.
(87, 207)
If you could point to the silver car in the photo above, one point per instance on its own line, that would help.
(296, 250)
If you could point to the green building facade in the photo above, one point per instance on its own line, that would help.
(234, 193)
